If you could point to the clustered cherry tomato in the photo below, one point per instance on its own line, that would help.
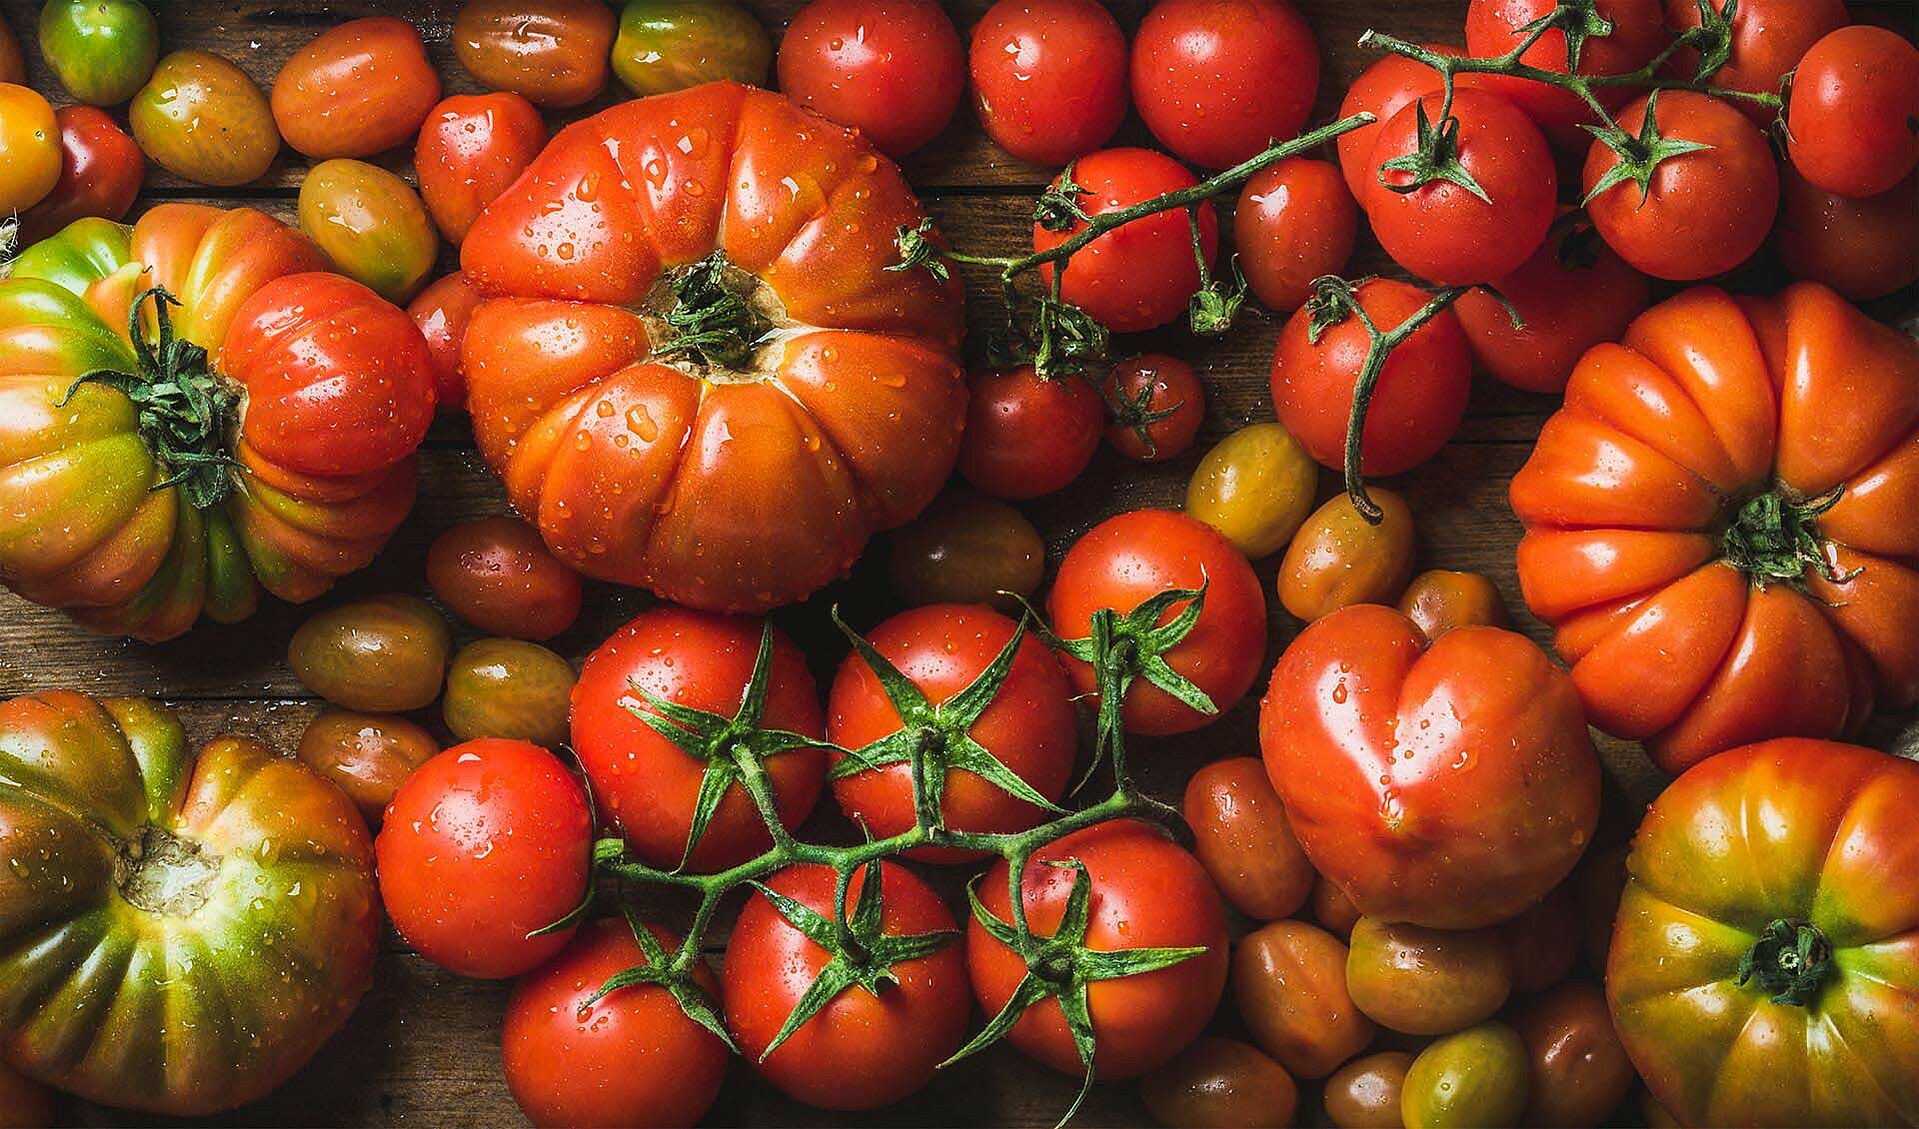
(1026, 434)
(1382, 90)
(1049, 77)
(1854, 114)
(1157, 404)
(101, 170)
(555, 53)
(1767, 39)
(893, 69)
(496, 574)
(1295, 222)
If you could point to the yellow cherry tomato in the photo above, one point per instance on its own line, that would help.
(373, 225)
(1255, 487)
(29, 149)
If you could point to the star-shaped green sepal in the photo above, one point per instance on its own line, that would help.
(661, 970)
(1136, 414)
(1579, 20)
(1638, 156)
(1435, 156)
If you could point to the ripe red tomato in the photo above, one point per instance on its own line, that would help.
(1862, 246)
(865, 1048)
(1029, 727)
(630, 1058)
(1128, 559)
(471, 147)
(1145, 893)
(1295, 222)
(442, 312)
(1217, 81)
(1854, 114)
(646, 785)
(892, 69)
(1442, 230)
(1049, 77)
(484, 844)
(101, 170)
(1382, 90)
(1767, 40)
(356, 89)
(1417, 404)
(496, 574)
(1494, 27)
(1142, 275)
(1702, 212)
(1028, 435)
(1158, 406)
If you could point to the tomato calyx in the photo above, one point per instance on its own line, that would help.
(1057, 208)
(713, 323)
(1217, 302)
(1775, 536)
(164, 874)
(1435, 157)
(1577, 20)
(1638, 155)
(1137, 413)
(1712, 39)
(665, 971)
(1789, 962)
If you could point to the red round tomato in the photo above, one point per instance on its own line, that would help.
(101, 171)
(1127, 560)
(1028, 435)
(1854, 114)
(356, 89)
(442, 312)
(1217, 81)
(1417, 404)
(1765, 42)
(496, 574)
(1295, 222)
(470, 149)
(1142, 275)
(1382, 90)
(483, 845)
(1862, 246)
(647, 785)
(1494, 27)
(1049, 77)
(892, 69)
(1158, 405)
(868, 1045)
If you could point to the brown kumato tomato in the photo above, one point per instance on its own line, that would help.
(554, 53)
(1338, 558)
(1221, 1082)
(368, 755)
(1241, 837)
(1579, 1072)
(1421, 981)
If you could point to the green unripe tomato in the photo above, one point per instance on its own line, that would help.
(102, 51)
(1475, 1079)
(667, 45)
(373, 225)
(508, 688)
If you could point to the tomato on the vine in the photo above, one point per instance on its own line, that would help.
(1495, 27)
(471, 147)
(1862, 246)
(1295, 221)
(356, 89)
(101, 170)
(1765, 41)
(1049, 77)
(1217, 81)
(1157, 404)
(1026, 434)
(1854, 114)
(892, 69)
(1382, 90)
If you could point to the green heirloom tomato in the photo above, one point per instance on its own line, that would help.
(372, 224)
(668, 45)
(179, 932)
(102, 51)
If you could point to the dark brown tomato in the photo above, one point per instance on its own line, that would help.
(496, 574)
(1598, 884)
(508, 688)
(1241, 836)
(1364, 1093)
(966, 548)
(1544, 941)
(368, 755)
(1221, 1084)
(554, 53)
(24, 1103)
(1289, 980)
(1578, 1072)
(386, 654)
(1441, 599)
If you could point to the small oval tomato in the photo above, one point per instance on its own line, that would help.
(1474, 1078)
(24, 1103)
(1217, 81)
(101, 170)
(1364, 1093)
(1423, 981)
(892, 69)
(1158, 405)
(1854, 114)
(1028, 435)
(29, 149)
(442, 312)
(1494, 27)
(1255, 487)
(471, 148)
(1289, 982)
(1221, 1082)
(102, 51)
(1333, 909)
(371, 224)
(1382, 90)
(201, 118)
(1419, 399)
(668, 45)
(1142, 275)
(859, 1050)
(1241, 836)
(966, 549)
(483, 845)
(1862, 246)
(1130, 558)
(496, 574)
(1338, 558)
(1440, 600)
(1544, 941)
(1295, 222)
(1578, 1072)
(1703, 212)
(384, 655)
(356, 89)
(631, 1057)
(13, 65)
(552, 52)
(1049, 77)
(1766, 40)
(368, 755)
(508, 688)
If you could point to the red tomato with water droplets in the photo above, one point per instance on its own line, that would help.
(1217, 81)
(442, 312)
(356, 89)
(1382, 90)
(1294, 223)
(1049, 77)
(1494, 27)
(1769, 37)
(892, 69)
(470, 149)
(497, 575)
(1171, 390)
(1862, 246)
(1027, 435)
(101, 170)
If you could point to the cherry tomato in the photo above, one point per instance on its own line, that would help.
(1289, 981)
(1029, 727)
(1476, 1078)
(1443, 230)
(1705, 211)
(102, 51)
(371, 224)
(632, 1057)
(1440, 600)
(1417, 404)
(860, 1051)
(668, 45)
(1295, 221)
(483, 845)
(1255, 487)
(1217, 81)
(100, 174)
(1339, 558)
(892, 69)
(471, 147)
(368, 755)
(966, 548)
(13, 66)
(1128, 559)
(1364, 1093)
(29, 149)
(1543, 941)
(1049, 77)
(383, 655)
(442, 312)
(1579, 1074)
(1241, 836)
(1427, 981)
(1028, 435)
(1333, 908)
(1854, 114)
(552, 52)
(201, 118)
(508, 688)
(1219, 1082)
(1382, 90)
(356, 89)
(1158, 405)
(496, 574)
(1767, 40)
(1142, 275)
(1146, 893)
(1494, 27)
(1863, 247)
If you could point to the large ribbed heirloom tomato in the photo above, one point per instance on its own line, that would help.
(256, 431)
(1720, 523)
(695, 373)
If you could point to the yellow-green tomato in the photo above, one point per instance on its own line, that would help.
(102, 51)
(1339, 558)
(386, 654)
(202, 118)
(373, 225)
(667, 45)
(508, 688)
(1474, 1079)
(1255, 487)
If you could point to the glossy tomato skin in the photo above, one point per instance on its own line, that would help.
(1169, 385)
(372, 224)
(13, 67)
(1241, 836)
(892, 69)
(484, 844)
(1839, 859)
(442, 312)
(631, 1058)
(356, 89)
(1217, 81)
(1146, 893)
(644, 785)
(29, 148)
(386, 653)
(202, 118)
(552, 52)
(1769, 37)
(1221, 1082)
(1473, 1077)
(966, 549)
(1295, 222)
(1142, 275)
(1383, 89)
(1423, 981)
(1441, 599)
(1365, 1093)
(1132, 557)
(101, 170)
(668, 45)
(1289, 984)
(1255, 486)
(1049, 77)
(1449, 784)
(471, 148)
(1494, 27)
(508, 688)
(1028, 435)
(1338, 558)
(1863, 247)
(861, 1051)
(100, 50)
(1855, 102)
(368, 756)
(495, 573)
(1578, 1073)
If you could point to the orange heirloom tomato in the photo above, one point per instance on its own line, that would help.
(355, 90)
(472, 147)
(1719, 523)
(619, 381)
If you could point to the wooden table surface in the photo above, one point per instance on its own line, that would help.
(423, 1048)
